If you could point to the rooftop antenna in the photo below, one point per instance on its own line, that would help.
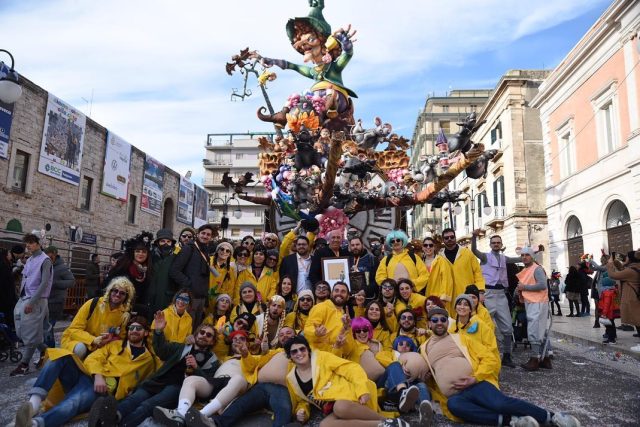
(89, 102)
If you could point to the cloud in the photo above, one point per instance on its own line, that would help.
(156, 68)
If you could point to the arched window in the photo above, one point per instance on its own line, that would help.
(575, 245)
(618, 215)
(574, 228)
(619, 228)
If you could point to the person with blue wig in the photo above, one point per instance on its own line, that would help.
(401, 263)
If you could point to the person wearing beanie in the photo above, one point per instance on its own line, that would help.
(471, 325)
(186, 236)
(220, 312)
(533, 288)
(162, 289)
(298, 317)
(478, 308)
(264, 278)
(270, 323)
(629, 278)
(249, 303)
(224, 275)
(464, 380)
(494, 270)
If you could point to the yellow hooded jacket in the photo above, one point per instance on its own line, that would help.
(225, 283)
(267, 284)
(416, 304)
(328, 314)
(178, 327)
(485, 365)
(84, 328)
(482, 332)
(418, 272)
(334, 378)
(450, 280)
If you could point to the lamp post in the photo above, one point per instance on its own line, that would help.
(237, 212)
(486, 208)
(10, 89)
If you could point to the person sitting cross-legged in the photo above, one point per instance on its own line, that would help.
(116, 369)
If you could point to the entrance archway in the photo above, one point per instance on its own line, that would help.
(575, 245)
(619, 228)
(168, 213)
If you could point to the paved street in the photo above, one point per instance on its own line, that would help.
(588, 381)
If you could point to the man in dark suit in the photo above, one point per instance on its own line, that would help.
(334, 250)
(297, 265)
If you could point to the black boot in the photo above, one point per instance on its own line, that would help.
(506, 360)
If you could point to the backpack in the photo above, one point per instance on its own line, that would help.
(92, 307)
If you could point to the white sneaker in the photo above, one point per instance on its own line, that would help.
(426, 413)
(408, 398)
(564, 420)
(525, 421)
(168, 417)
(636, 348)
(394, 422)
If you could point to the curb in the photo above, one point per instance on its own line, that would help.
(598, 345)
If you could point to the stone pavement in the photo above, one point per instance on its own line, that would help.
(580, 330)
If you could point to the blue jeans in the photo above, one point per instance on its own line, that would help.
(260, 396)
(392, 377)
(424, 390)
(483, 403)
(49, 339)
(78, 389)
(136, 407)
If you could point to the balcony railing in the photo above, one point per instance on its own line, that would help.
(496, 218)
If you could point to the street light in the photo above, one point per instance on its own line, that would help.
(486, 208)
(237, 212)
(10, 89)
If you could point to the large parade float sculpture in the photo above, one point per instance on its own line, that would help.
(322, 162)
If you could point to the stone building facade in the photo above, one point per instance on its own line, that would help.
(31, 200)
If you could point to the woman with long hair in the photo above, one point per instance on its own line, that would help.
(249, 302)
(472, 326)
(374, 313)
(428, 251)
(223, 277)
(409, 299)
(286, 290)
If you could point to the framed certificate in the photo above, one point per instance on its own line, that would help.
(336, 270)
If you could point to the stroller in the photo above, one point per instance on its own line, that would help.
(8, 343)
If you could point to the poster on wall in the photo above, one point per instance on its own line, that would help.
(185, 201)
(117, 160)
(6, 117)
(62, 141)
(201, 206)
(152, 186)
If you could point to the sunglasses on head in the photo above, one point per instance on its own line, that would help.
(295, 351)
(135, 328)
(119, 292)
(303, 299)
(435, 319)
(361, 331)
(186, 236)
(225, 250)
(205, 333)
(449, 237)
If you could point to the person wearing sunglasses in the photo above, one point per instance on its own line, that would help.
(402, 263)
(407, 327)
(337, 387)
(270, 241)
(454, 269)
(298, 317)
(179, 321)
(191, 269)
(228, 382)
(100, 319)
(161, 289)
(116, 368)
(464, 378)
(249, 243)
(428, 251)
(185, 237)
(224, 275)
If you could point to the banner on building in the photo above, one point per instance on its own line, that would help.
(185, 201)
(62, 141)
(152, 186)
(117, 161)
(201, 207)
(6, 117)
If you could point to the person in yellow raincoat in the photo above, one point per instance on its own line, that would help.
(472, 325)
(453, 270)
(338, 387)
(478, 309)
(409, 299)
(327, 320)
(262, 277)
(464, 379)
(179, 321)
(401, 264)
(297, 319)
(223, 277)
(117, 368)
(100, 319)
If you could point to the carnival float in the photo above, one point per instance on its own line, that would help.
(325, 164)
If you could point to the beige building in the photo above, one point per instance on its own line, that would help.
(510, 200)
(589, 107)
(236, 154)
(439, 113)
(32, 200)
